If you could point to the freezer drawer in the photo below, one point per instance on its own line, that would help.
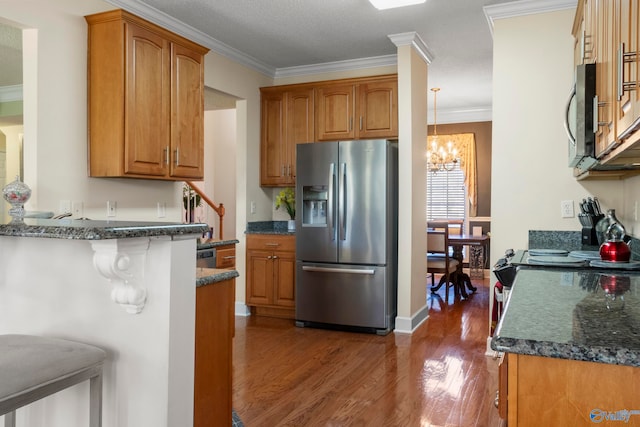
(346, 295)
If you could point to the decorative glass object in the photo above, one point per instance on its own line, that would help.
(16, 193)
(614, 248)
(603, 225)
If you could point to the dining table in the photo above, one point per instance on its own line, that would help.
(477, 250)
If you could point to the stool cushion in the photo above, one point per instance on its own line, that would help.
(28, 361)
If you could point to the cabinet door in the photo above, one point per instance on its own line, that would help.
(187, 109)
(147, 103)
(259, 277)
(334, 112)
(299, 125)
(626, 15)
(378, 110)
(213, 356)
(284, 279)
(605, 77)
(273, 150)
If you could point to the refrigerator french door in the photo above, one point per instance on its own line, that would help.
(346, 234)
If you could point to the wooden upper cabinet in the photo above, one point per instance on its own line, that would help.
(360, 109)
(605, 77)
(300, 125)
(335, 112)
(187, 111)
(146, 100)
(627, 15)
(286, 120)
(378, 109)
(323, 111)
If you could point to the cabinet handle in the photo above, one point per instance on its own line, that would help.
(269, 257)
(596, 122)
(350, 124)
(275, 257)
(273, 244)
(166, 155)
(360, 122)
(229, 257)
(177, 157)
(622, 58)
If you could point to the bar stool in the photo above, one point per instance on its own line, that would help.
(33, 367)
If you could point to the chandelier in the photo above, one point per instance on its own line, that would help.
(440, 158)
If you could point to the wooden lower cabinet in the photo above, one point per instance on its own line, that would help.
(215, 325)
(271, 266)
(226, 256)
(545, 391)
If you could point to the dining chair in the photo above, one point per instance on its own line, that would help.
(439, 257)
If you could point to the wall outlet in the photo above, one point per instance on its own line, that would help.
(253, 207)
(65, 206)
(77, 209)
(566, 209)
(111, 209)
(162, 209)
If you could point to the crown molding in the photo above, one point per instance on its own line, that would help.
(412, 38)
(347, 65)
(11, 93)
(524, 7)
(481, 114)
(170, 23)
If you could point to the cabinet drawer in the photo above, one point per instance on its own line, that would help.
(271, 242)
(225, 257)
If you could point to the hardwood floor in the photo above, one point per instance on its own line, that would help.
(439, 376)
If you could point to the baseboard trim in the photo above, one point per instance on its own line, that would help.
(490, 352)
(242, 309)
(408, 325)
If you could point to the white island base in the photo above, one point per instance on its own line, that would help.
(50, 287)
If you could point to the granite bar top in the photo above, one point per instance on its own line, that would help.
(208, 276)
(268, 227)
(216, 243)
(585, 315)
(76, 229)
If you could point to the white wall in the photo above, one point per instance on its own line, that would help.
(532, 75)
(55, 116)
(50, 287)
(220, 167)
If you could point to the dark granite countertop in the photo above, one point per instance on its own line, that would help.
(268, 227)
(208, 276)
(75, 229)
(216, 243)
(567, 314)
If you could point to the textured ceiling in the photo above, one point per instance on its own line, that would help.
(289, 37)
(293, 33)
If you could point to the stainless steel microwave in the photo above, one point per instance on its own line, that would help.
(579, 118)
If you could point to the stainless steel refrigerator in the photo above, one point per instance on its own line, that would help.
(347, 234)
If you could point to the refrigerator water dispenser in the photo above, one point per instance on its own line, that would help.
(314, 206)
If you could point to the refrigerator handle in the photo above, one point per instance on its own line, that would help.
(342, 202)
(331, 198)
(368, 271)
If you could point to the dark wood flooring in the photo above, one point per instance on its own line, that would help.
(439, 376)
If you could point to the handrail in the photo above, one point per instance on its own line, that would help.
(219, 209)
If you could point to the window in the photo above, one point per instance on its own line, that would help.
(446, 195)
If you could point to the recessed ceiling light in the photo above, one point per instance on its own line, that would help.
(388, 4)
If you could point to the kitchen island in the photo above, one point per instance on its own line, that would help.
(572, 339)
(126, 287)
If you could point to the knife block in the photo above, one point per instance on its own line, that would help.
(589, 236)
